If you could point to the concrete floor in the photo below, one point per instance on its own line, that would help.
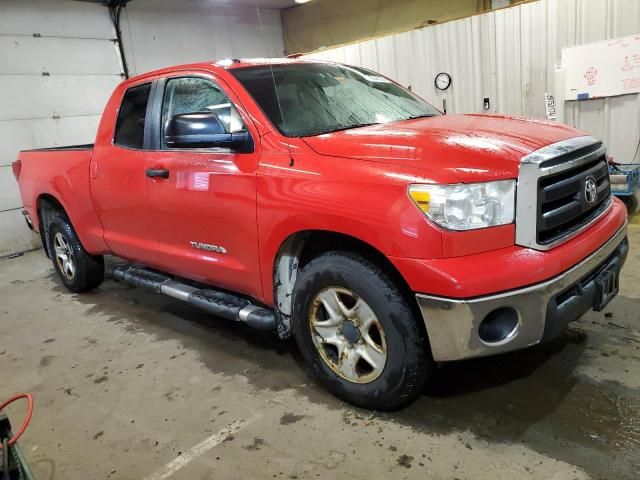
(130, 385)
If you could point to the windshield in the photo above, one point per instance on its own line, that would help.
(316, 98)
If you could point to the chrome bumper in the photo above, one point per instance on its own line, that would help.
(452, 324)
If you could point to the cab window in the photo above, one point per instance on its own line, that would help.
(198, 95)
(131, 117)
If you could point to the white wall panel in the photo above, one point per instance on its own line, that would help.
(161, 33)
(615, 119)
(45, 132)
(57, 56)
(29, 96)
(65, 18)
(14, 234)
(510, 57)
(9, 194)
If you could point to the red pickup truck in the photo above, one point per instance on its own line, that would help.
(327, 202)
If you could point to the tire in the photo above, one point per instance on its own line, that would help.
(82, 272)
(403, 340)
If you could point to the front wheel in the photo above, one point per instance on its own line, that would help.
(358, 334)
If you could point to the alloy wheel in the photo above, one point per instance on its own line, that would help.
(64, 256)
(348, 335)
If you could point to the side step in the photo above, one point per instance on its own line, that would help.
(219, 303)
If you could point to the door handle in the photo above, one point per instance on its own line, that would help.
(157, 172)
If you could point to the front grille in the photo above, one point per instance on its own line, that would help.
(551, 206)
(563, 206)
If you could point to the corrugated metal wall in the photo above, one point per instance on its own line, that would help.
(510, 56)
(324, 23)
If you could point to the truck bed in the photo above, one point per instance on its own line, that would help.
(86, 146)
(61, 173)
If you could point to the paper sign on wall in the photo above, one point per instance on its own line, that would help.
(550, 106)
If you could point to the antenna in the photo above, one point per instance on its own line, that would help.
(275, 87)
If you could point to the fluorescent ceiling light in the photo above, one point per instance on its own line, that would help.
(302, 1)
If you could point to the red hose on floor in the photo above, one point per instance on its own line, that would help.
(27, 419)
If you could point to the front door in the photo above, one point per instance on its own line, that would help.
(204, 207)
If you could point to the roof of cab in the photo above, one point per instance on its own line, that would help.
(232, 63)
(227, 64)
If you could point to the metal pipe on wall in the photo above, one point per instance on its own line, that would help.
(115, 9)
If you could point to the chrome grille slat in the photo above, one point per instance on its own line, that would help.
(560, 190)
(572, 184)
(605, 186)
(554, 218)
(573, 209)
(569, 155)
(551, 204)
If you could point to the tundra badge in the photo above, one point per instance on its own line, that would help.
(208, 247)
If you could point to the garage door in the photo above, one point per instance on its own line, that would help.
(58, 66)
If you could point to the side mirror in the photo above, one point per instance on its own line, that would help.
(204, 130)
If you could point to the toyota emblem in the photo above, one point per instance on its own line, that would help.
(590, 190)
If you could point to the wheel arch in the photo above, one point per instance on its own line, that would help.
(299, 248)
(46, 207)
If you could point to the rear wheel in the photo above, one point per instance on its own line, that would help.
(357, 332)
(79, 271)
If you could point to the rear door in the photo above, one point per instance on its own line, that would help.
(204, 211)
(118, 177)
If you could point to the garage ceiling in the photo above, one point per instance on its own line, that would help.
(277, 4)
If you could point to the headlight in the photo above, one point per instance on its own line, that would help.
(467, 206)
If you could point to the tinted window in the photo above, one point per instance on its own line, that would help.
(130, 124)
(314, 98)
(199, 95)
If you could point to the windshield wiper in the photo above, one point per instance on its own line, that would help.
(424, 115)
(348, 127)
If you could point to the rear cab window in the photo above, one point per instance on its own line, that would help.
(131, 117)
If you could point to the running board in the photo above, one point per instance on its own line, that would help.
(226, 305)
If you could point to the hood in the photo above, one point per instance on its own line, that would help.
(471, 147)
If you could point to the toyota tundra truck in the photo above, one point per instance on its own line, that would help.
(326, 202)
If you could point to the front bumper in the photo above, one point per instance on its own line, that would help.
(543, 310)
